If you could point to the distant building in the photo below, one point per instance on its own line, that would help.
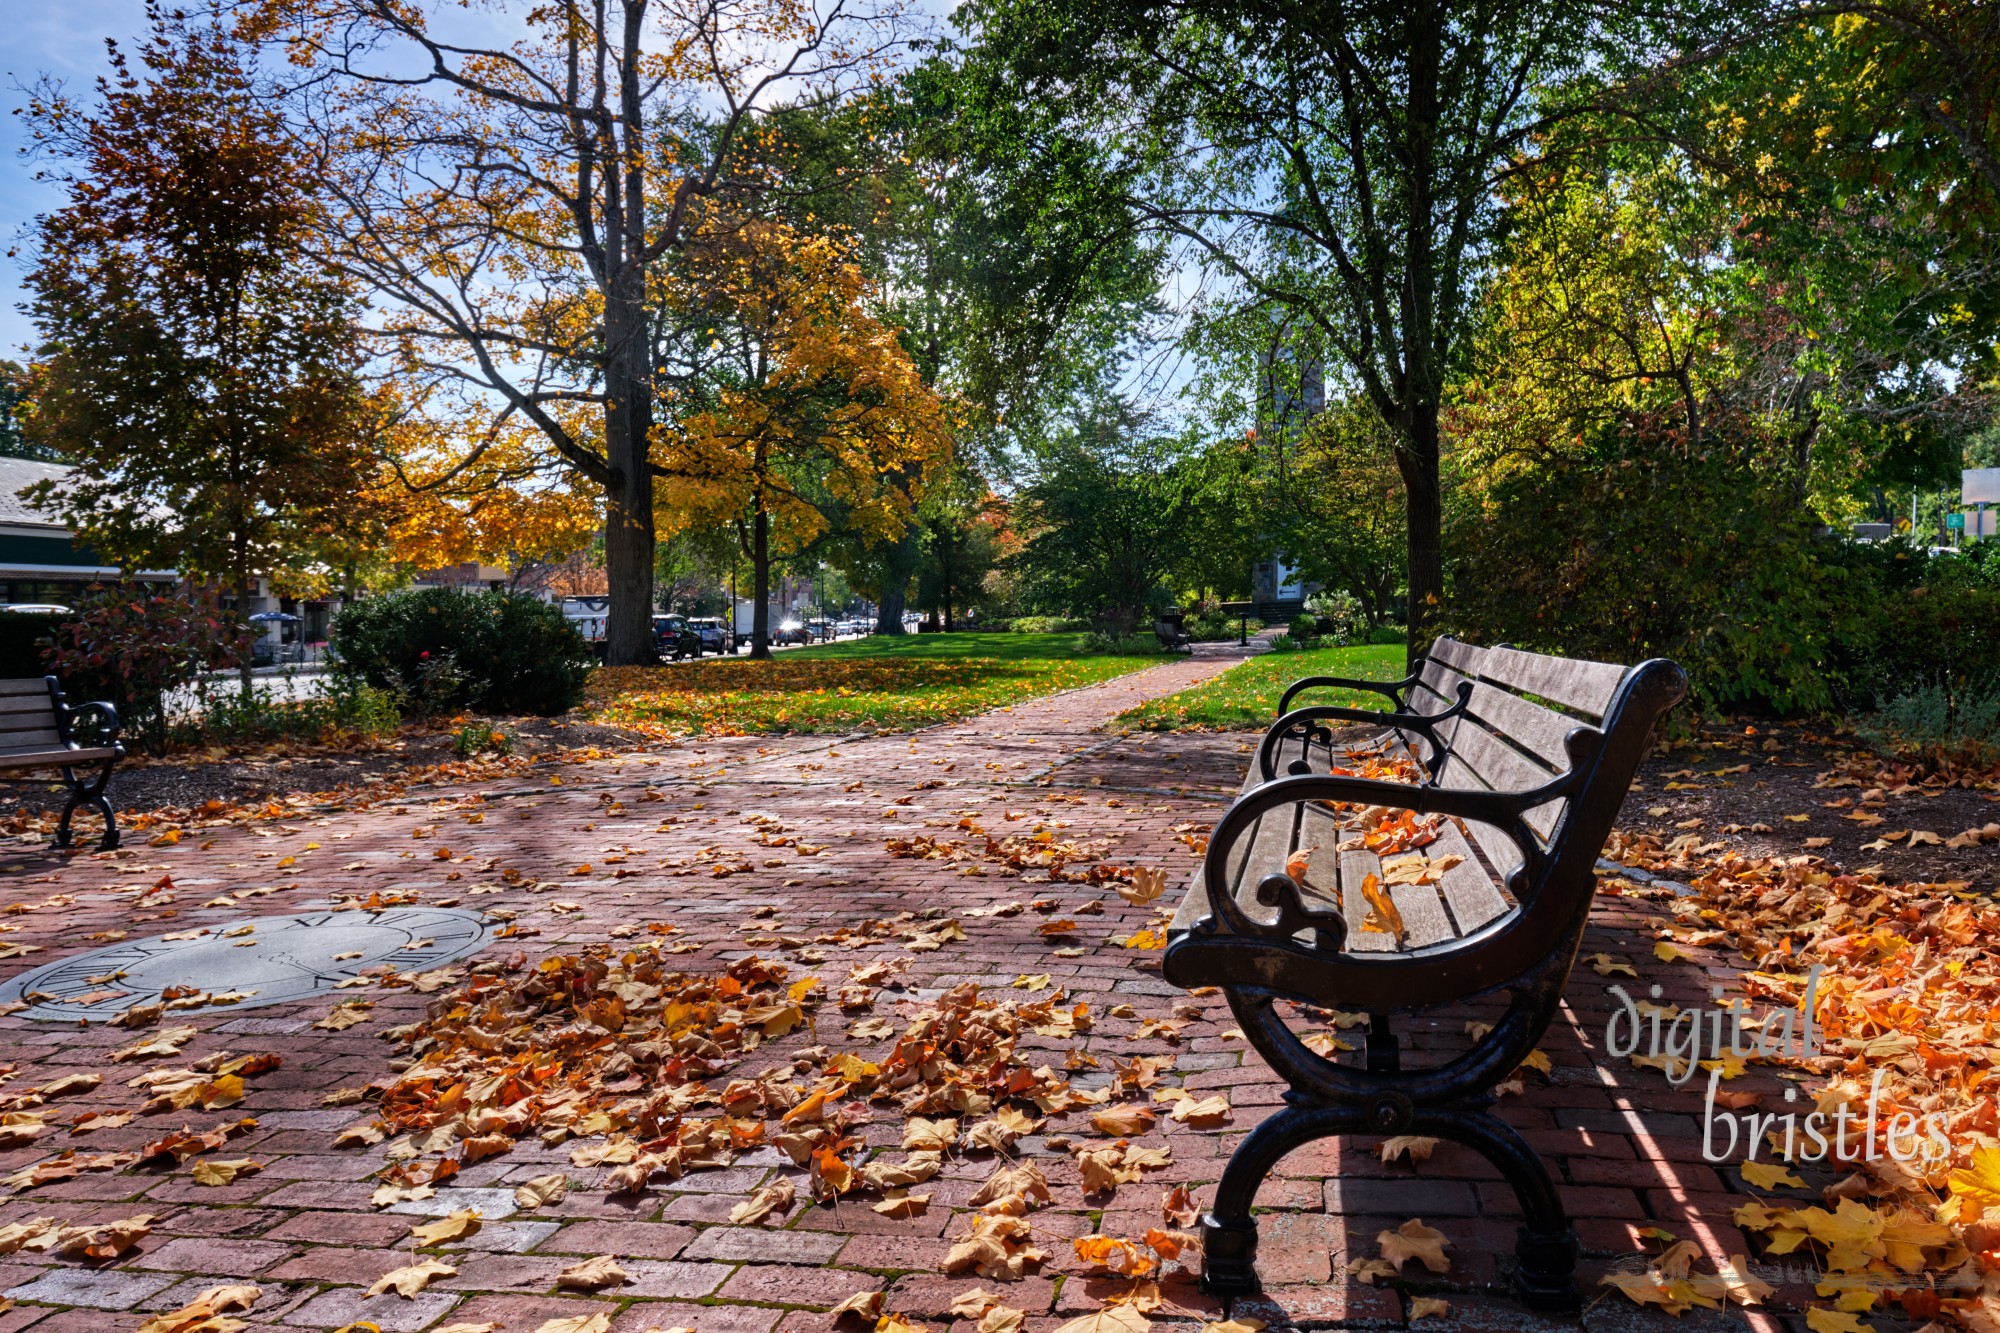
(40, 558)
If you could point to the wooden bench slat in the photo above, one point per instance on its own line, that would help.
(1528, 725)
(1424, 919)
(1573, 682)
(28, 687)
(1473, 897)
(1356, 866)
(51, 756)
(25, 703)
(1465, 657)
(1502, 768)
(30, 738)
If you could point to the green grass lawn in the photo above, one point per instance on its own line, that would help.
(883, 683)
(1246, 697)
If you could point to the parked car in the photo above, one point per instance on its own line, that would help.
(672, 637)
(791, 631)
(714, 634)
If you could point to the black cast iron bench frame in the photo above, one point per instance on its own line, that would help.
(38, 730)
(1524, 953)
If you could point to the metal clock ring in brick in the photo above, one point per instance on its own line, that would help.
(245, 964)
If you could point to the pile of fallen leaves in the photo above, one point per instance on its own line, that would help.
(1906, 1005)
(636, 1066)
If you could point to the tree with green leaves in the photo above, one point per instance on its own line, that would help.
(1105, 516)
(198, 364)
(1336, 160)
(14, 442)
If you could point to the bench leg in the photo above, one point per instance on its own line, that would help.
(1546, 1249)
(90, 794)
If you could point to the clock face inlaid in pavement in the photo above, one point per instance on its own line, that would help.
(280, 958)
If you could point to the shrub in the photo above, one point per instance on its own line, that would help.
(1385, 634)
(475, 737)
(339, 707)
(24, 642)
(1304, 626)
(1123, 645)
(1337, 616)
(1047, 625)
(132, 647)
(1941, 723)
(1635, 545)
(439, 650)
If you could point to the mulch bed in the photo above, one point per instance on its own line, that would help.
(143, 783)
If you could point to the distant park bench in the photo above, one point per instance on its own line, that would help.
(1170, 628)
(1526, 759)
(37, 730)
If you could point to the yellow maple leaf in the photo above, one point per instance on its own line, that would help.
(1769, 1175)
(1978, 1183)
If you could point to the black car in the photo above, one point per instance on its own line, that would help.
(674, 638)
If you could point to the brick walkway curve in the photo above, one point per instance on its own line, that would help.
(1626, 1146)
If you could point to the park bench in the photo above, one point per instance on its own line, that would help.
(1522, 762)
(38, 730)
(1170, 628)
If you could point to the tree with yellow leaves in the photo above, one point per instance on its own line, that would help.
(491, 492)
(823, 419)
(511, 192)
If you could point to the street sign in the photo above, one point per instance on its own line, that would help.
(1980, 485)
(1956, 522)
(1902, 525)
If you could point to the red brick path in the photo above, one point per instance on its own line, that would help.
(1624, 1145)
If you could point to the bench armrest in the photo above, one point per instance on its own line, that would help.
(1503, 810)
(1391, 688)
(1426, 724)
(105, 726)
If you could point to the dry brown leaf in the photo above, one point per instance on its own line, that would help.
(591, 1274)
(1111, 1319)
(1148, 883)
(410, 1279)
(775, 1197)
(1414, 1240)
(1002, 1319)
(1416, 1146)
(202, 1314)
(577, 1323)
(1121, 1121)
(866, 1304)
(1422, 1307)
(456, 1226)
(225, 1172)
(532, 1194)
(905, 1206)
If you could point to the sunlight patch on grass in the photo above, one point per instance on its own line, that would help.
(1245, 697)
(882, 683)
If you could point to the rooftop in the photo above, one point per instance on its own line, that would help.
(17, 474)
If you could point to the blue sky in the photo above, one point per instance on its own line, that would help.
(67, 41)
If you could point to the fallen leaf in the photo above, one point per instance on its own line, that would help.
(1416, 1146)
(456, 1226)
(410, 1279)
(591, 1274)
(775, 1197)
(1769, 1175)
(867, 1304)
(1422, 1306)
(577, 1323)
(532, 1194)
(1414, 1240)
(224, 1172)
(1111, 1319)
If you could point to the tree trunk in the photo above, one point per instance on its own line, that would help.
(245, 639)
(898, 566)
(760, 578)
(628, 494)
(1423, 493)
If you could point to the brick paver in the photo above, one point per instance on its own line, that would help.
(584, 849)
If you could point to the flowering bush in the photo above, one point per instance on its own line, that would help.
(132, 648)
